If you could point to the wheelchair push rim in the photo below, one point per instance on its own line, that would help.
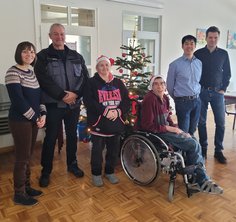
(140, 160)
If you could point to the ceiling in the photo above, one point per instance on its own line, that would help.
(148, 3)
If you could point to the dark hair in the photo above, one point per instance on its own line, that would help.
(212, 29)
(189, 38)
(20, 47)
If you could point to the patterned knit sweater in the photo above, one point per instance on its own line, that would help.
(24, 92)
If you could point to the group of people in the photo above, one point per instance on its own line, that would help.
(196, 80)
(47, 90)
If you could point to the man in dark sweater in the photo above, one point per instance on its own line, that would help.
(214, 82)
(156, 117)
(62, 74)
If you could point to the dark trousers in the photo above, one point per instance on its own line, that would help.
(53, 123)
(218, 107)
(188, 113)
(112, 145)
(24, 136)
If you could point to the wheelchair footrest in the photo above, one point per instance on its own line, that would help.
(191, 189)
(189, 170)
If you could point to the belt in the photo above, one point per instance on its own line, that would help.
(211, 88)
(187, 97)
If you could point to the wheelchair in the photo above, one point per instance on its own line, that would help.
(144, 156)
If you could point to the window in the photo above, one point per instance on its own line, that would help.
(54, 14)
(67, 15)
(81, 44)
(140, 23)
(147, 33)
(82, 17)
(150, 24)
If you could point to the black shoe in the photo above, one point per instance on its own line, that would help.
(24, 199)
(44, 180)
(75, 170)
(32, 192)
(204, 152)
(220, 157)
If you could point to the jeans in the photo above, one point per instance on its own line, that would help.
(112, 145)
(188, 113)
(24, 134)
(193, 152)
(218, 107)
(53, 123)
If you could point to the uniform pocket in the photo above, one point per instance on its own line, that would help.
(77, 69)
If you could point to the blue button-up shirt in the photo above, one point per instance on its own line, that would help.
(184, 76)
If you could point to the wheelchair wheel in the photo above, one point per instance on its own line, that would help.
(171, 190)
(140, 160)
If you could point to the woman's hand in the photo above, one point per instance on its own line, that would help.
(41, 121)
(112, 114)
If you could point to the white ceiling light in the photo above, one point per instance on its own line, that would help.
(148, 3)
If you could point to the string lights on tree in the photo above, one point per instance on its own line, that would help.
(131, 66)
(83, 130)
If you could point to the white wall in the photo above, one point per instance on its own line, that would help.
(17, 24)
(180, 17)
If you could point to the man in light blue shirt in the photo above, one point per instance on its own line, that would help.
(183, 85)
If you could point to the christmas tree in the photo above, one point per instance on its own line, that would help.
(83, 130)
(131, 65)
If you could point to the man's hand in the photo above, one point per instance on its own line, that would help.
(70, 98)
(173, 129)
(177, 130)
(221, 92)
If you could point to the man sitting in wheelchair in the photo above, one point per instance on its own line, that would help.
(156, 117)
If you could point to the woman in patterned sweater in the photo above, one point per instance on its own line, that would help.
(26, 115)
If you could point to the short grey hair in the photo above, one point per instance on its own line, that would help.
(55, 25)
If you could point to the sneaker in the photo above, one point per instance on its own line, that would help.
(208, 186)
(204, 152)
(24, 199)
(97, 180)
(220, 157)
(211, 187)
(32, 192)
(74, 169)
(112, 178)
(44, 180)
